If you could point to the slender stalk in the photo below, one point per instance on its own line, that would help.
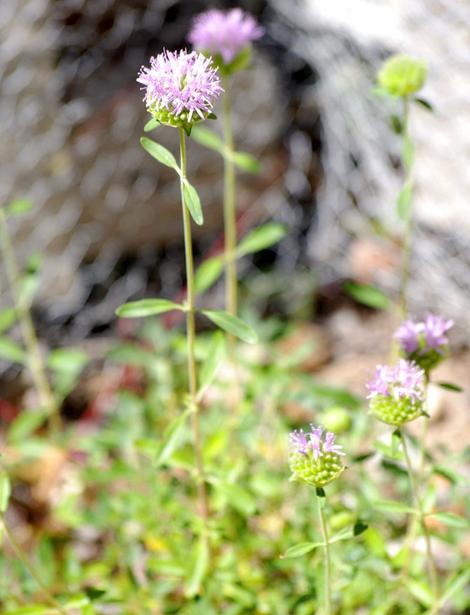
(24, 560)
(407, 238)
(28, 332)
(326, 558)
(419, 505)
(230, 221)
(191, 338)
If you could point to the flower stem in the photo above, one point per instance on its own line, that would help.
(326, 556)
(419, 505)
(408, 234)
(28, 332)
(24, 560)
(230, 222)
(191, 338)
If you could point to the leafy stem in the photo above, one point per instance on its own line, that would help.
(326, 552)
(419, 505)
(230, 225)
(28, 332)
(406, 209)
(191, 338)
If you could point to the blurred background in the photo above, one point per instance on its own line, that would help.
(106, 218)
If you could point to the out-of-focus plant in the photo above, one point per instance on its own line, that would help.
(227, 37)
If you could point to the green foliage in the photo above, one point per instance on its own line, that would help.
(232, 324)
(367, 295)
(146, 307)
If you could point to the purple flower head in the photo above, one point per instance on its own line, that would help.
(435, 329)
(224, 33)
(404, 380)
(180, 81)
(313, 441)
(423, 337)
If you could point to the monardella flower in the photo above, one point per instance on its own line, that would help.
(224, 34)
(396, 393)
(180, 87)
(425, 342)
(315, 459)
(402, 76)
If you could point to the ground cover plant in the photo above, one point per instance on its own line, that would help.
(222, 476)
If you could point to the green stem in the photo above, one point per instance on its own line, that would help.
(326, 557)
(419, 505)
(24, 560)
(28, 332)
(191, 338)
(230, 221)
(408, 233)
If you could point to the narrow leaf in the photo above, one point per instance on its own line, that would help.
(261, 238)
(71, 360)
(232, 324)
(171, 438)
(394, 507)
(208, 138)
(160, 153)
(25, 424)
(11, 351)
(367, 295)
(424, 103)
(146, 307)
(200, 568)
(454, 585)
(451, 519)
(215, 354)
(301, 549)
(5, 490)
(208, 273)
(151, 125)
(7, 319)
(404, 200)
(450, 386)
(193, 202)
(246, 162)
(421, 592)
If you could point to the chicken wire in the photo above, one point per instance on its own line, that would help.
(106, 217)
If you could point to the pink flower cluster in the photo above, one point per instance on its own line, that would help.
(424, 336)
(180, 81)
(224, 33)
(313, 440)
(404, 380)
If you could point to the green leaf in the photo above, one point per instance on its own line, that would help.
(25, 424)
(454, 585)
(11, 351)
(171, 438)
(232, 324)
(193, 202)
(302, 548)
(146, 307)
(261, 238)
(359, 527)
(199, 569)
(208, 138)
(246, 162)
(367, 295)
(404, 200)
(151, 125)
(5, 490)
(424, 103)
(208, 273)
(421, 592)
(450, 386)
(393, 506)
(215, 355)
(396, 124)
(451, 519)
(7, 319)
(238, 497)
(160, 153)
(19, 207)
(131, 354)
(70, 360)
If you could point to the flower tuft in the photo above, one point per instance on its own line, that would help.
(396, 393)
(314, 457)
(180, 87)
(424, 342)
(225, 34)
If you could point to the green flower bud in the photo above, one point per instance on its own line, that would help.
(402, 76)
(316, 472)
(336, 419)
